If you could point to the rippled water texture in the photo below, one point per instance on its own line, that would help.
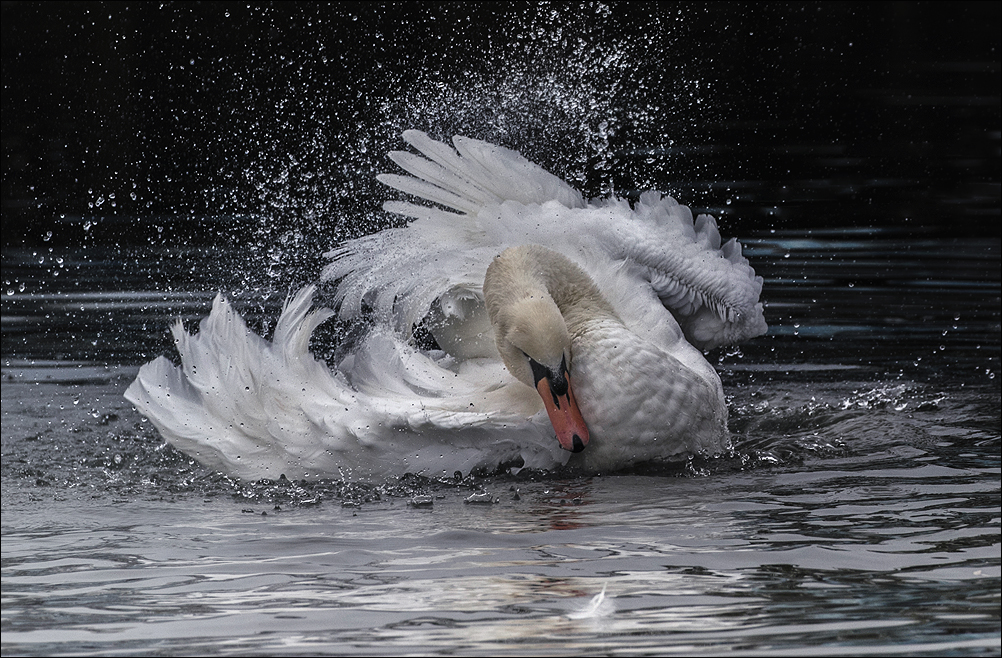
(157, 153)
(860, 513)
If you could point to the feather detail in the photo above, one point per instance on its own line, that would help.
(503, 200)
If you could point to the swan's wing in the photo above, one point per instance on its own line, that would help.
(399, 273)
(256, 408)
(480, 174)
(709, 287)
(227, 405)
(494, 198)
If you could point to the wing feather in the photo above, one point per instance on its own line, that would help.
(494, 198)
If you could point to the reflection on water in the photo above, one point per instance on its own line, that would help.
(859, 513)
(863, 558)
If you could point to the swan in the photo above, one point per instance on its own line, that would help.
(566, 332)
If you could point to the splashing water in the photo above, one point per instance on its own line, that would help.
(570, 88)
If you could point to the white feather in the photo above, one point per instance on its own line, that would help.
(599, 606)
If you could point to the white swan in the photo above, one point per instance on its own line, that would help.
(600, 307)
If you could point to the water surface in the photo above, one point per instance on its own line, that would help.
(859, 513)
(158, 153)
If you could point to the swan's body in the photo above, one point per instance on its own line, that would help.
(630, 293)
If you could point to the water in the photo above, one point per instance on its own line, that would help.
(859, 514)
(155, 154)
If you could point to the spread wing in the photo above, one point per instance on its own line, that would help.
(489, 198)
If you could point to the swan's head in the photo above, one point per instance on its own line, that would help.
(532, 338)
(531, 335)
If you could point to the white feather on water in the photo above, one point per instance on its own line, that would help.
(599, 606)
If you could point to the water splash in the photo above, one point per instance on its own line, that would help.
(305, 132)
(569, 89)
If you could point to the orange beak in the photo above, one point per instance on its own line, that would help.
(572, 432)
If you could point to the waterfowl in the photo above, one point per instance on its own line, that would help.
(564, 331)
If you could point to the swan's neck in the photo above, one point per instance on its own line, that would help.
(533, 272)
(579, 300)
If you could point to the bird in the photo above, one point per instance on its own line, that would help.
(509, 324)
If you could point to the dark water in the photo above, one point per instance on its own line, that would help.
(860, 513)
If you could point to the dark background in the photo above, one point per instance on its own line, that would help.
(143, 117)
